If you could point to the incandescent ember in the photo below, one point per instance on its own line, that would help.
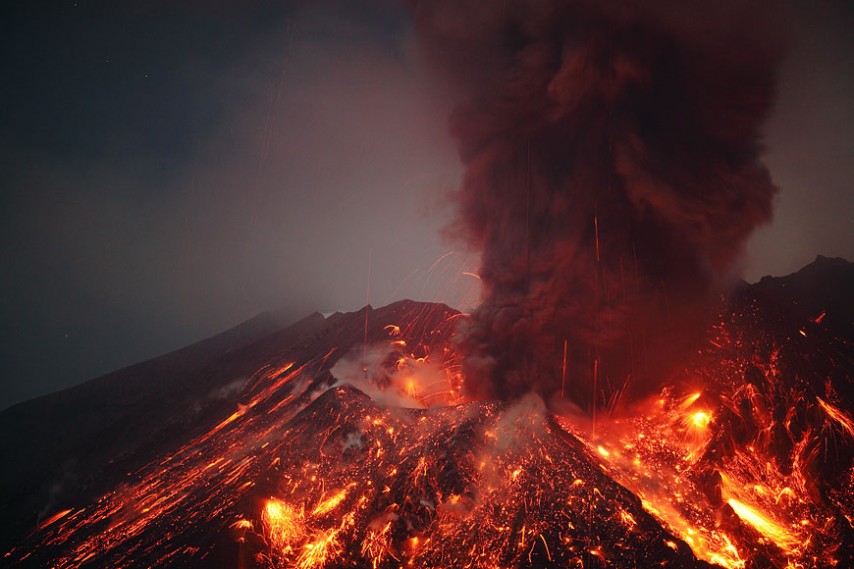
(743, 460)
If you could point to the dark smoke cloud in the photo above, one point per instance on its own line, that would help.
(613, 174)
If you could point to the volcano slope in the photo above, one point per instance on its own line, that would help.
(262, 449)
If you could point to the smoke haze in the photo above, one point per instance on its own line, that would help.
(211, 162)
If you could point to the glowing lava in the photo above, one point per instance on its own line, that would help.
(310, 472)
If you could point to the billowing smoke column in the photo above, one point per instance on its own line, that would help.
(612, 177)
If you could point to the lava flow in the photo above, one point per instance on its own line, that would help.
(340, 453)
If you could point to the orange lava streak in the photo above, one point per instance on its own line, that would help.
(329, 504)
(837, 415)
(765, 525)
(57, 516)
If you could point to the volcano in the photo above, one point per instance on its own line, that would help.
(348, 441)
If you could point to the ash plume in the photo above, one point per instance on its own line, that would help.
(613, 173)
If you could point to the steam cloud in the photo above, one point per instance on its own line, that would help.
(613, 173)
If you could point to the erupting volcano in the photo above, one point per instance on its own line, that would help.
(617, 399)
(743, 460)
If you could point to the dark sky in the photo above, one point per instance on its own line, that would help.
(167, 172)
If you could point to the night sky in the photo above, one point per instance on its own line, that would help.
(168, 172)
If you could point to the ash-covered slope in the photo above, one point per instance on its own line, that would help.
(297, 474)
(473, 485)
(286, 467)
(73, 445)
(347, 483)
(59, 444)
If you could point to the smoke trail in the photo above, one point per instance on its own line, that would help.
(612, 177)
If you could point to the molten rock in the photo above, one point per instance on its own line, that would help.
(745, 461)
